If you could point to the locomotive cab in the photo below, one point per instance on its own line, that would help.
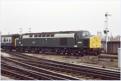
(82, 39)
(86, 40)
(88, 43)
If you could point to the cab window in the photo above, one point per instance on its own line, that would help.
(84, 34)
(4, 40)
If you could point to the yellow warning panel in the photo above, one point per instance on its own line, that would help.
(95, 42)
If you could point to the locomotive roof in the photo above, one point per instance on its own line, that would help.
(43, 33)
(55, 32)
(10, 35)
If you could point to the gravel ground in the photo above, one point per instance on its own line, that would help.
(87, 60)
(5, 78)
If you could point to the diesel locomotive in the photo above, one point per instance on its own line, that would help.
(63, 42)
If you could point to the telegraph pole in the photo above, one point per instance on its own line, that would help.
(106, 30)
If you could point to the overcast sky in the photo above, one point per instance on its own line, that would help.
(59, 15)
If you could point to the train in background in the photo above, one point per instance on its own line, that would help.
(63, 42)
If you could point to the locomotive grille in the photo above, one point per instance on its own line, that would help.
(63, 41)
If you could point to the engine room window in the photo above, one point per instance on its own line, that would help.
(48, 35)
(39, 35)
(43, 35)
(35, 35)
(52, 35)
(30, 35)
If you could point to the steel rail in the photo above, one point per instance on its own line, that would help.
(10, 73)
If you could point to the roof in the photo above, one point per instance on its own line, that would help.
(44, 33)
(10, 35)
(55, 32)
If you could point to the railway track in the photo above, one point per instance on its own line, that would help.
(23, 71)
(83, 70)
(9, 73)
(32, 71)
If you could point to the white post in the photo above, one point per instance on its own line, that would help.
(119, 58)
(119, 55)
(106, 41)
(106, 29)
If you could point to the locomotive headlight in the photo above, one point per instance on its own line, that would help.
(19, 42)
(75, 45)
(80, 42)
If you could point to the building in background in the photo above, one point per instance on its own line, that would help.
(112, 45)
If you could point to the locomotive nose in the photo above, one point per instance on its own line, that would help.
(95, 42)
